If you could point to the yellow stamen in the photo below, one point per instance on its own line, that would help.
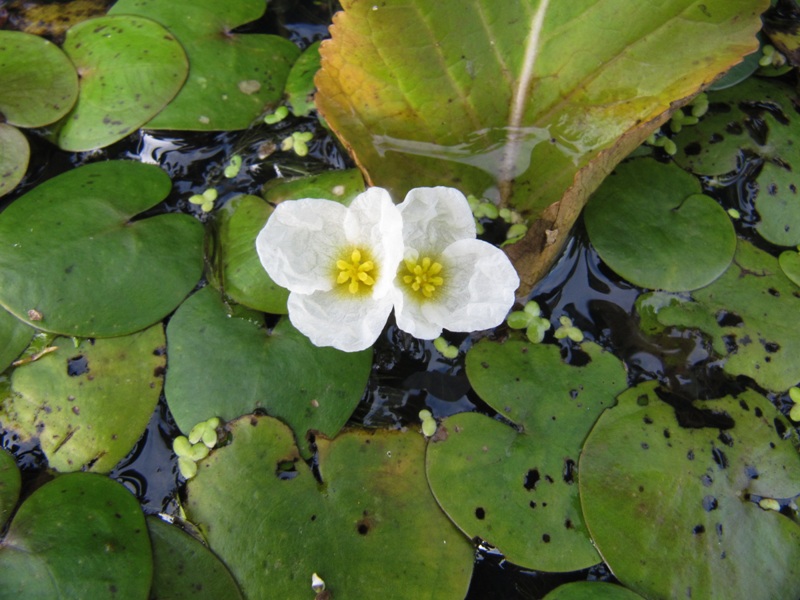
(423, 277)
(354, 272)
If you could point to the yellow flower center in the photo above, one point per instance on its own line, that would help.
(356, 270)
(423, 277)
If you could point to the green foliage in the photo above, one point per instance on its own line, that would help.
(672, 505)
(300, 84)
(78, 536)
(223, 362)
(72, 253)
(130, 70)
(515, 486)
(232, 76)
(88, 403)
(648, 221)
(749, 313)
(14, 156)
(370, 530)
(10, 485)
(15, 334)
(591, 590)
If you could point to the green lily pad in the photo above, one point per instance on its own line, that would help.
(73, 261)
(130, 69)
(531, 117)
(674, 510)
(39, 83)
(10, 485)
(515, 486)
(647, 222)
(372, 530)
(184, 569)
(78, 536)
(591, 590)
(15, 335)
(750, 314)
(224, 363)
(756, 117)
(789, 262)
(14, 156)
(778, 204)
(300, 86)
(240, 273)
(233, 77)
(88, 404)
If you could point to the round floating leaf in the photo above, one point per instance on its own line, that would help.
(300, 86)
(88, 404)
(38, 83)
(515, 487)
(778, 204)
(78, 536)
(15, 335)
(224, 363)
(755, 117)
(751, 315)
(372, 530)
(130, 69)
(591, 590)
(184, 569)
(647, 222)
(14, 156)
(71, 252)
(789, 262)
(673, 509)
(10, 485)
(233, 77)
(242, 276)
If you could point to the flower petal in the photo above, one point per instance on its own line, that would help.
(434, 218)
(477, 293)
(346, 322)
(374, 222)
(299, 244)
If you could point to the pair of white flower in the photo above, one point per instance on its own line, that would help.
(347, 267)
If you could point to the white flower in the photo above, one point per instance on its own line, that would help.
(448, 279)
(339, 263)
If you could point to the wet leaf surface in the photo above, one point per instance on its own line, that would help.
(15, 335)
(370, 530)
(233, 77)
(647, 221)
(516, 486)
(14, 156)
(224, 363)
(78, 536)
(10, 485)
(673, 510)
(72, 252)
(568, 105)
(89, 402)
(591, 590)
(789, 262)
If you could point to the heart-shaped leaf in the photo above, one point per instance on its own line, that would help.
(233, 77)
(88, 404)
(224, 363)
(515, 487)
(184, 569)
(673, 509)
(38, 83)
(654, 243)
(528, 103)
(78, 536)
(130, 69)
(750, 314)
(73, 260)
(14, 156)
(372, 530)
